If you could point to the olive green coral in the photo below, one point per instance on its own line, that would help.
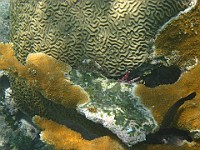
(116, 34)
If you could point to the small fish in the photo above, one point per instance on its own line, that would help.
(167, 135)
(169, 116)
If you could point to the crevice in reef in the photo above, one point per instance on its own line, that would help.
(171, 136)
(152, 75)
(4, 82)
(162, 75)
(88, 129)
(167, 134)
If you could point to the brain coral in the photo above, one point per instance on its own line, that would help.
(116, 34)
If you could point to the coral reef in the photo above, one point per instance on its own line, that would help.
(182, 36)
(101, 32)
(15, 131)
(130, 120)
(39, 74)
(116, 34)
(66, 139)
(179, 41)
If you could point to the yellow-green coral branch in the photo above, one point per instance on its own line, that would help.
(45, 74)
(63, 138)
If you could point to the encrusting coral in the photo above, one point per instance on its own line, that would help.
(45, 74)
(161, 98)
(186, 31)
(63, 138)
(106, 95)
(181, 39)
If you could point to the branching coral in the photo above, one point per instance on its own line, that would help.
(63, 138)
(46, 74)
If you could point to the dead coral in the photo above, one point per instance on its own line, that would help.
(63, 138)
(45, 74)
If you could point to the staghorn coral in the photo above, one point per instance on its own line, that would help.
(63, 138)
(39, 74)
(116, 34)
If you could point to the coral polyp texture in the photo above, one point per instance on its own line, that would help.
(39, 74)
(116, 34)
(111, 103)
(186, 31)
(67, 139)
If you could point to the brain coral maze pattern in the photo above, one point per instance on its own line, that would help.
(116, 34)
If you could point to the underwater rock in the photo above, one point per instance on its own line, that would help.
(117, 34)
